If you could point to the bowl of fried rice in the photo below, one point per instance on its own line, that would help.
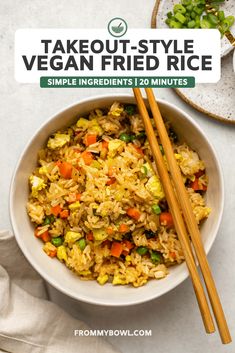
(88, 208)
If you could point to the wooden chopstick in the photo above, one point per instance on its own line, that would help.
(189, 219)
(176, 214)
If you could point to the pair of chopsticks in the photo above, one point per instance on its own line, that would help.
(184, 219)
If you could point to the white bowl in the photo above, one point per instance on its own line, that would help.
(56, 273)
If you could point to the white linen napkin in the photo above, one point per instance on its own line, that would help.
(29, 323)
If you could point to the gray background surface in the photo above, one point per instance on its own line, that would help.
(174, 318)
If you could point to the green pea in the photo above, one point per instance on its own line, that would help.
(130, 109)
(156, 209)
(156, 257)
(132, 138)
(124, 137)
(81, 243)
(57, 241)
(46, 221)
(142, 250)
(141, 135)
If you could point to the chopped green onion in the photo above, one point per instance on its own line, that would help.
(57, 241)
(81, 243)
(205, 24)
(221, 15)
(213, 19)
(181, 18)
(169, 14)
(179, 8)
(156, 209)
(174, 24)
(191, 24)
(189, 14)
(229, 20)
(142, 250)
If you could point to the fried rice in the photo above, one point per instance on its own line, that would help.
(98, 204)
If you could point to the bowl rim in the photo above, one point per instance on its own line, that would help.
(29, 256)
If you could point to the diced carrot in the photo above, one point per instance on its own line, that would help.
(87, 157)
(199, 173)
(66, 170)
(90, 236)
(110, 181)
(90, 139)
(105, 144)
(196, 186)
(123, 228)
(64, 214)
(172, 254)
(139, 150)
(127, 246)
(166, 219)
(116, 249)
(78, 197)
(52, 253)
(58, 163)
(55, 210)
(133, 213)
(45, 236)
(109, 231)
(104, 149)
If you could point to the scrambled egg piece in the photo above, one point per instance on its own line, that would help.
(74, 206)
(95, 127)
(43, 170)
(116, 109)
(92, 125)
(117, 279)
(100, 234)
(115, 146)
(71, 237)
(59, 140)
(154, 186)
(61, 253)
(83, 123)
(102, 279)
(37, 184)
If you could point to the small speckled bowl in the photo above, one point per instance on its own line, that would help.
(55, 272)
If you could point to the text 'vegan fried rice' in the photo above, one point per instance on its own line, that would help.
(98, 203)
